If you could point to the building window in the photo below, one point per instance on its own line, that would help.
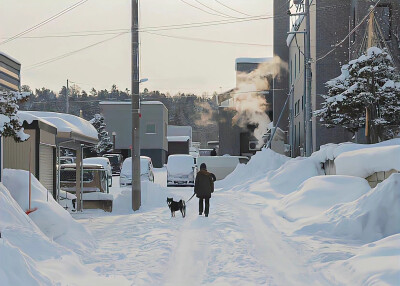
(295, 66)
(302, 102)
(299, 60)
(150, 128)
(384, 19)
(290, 72)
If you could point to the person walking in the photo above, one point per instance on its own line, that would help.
(203, 188)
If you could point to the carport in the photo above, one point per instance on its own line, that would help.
(73, 133)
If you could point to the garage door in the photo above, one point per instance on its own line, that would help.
(46, 167)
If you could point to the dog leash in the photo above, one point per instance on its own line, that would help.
(191, 197)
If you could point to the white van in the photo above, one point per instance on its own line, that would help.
(221, 166)
(181, 170)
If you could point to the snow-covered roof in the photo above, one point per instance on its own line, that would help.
(29, 118)
(11, 58)
(252, 60)
(178, 138)
(78, 128)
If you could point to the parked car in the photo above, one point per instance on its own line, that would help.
(181, 170)
(105, 162)
(94, 178)
(146, 171)
(221, 166)
(67, 160)
(116, 162)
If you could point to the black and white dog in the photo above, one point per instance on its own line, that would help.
(176, 206)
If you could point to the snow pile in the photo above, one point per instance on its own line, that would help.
(375, 264)
(29, 257)
(52, 219)
(331, 151)
(363, 163)
(259, 165)
(153, 196)
(319, 194)
(293, 173)
(373, 216)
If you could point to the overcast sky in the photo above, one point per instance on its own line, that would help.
(170, 64)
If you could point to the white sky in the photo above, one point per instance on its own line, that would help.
(171, 65)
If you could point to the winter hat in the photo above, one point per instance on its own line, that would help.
(203, 166)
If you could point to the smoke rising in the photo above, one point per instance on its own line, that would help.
(248, 99)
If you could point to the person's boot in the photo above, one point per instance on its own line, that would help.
(200, 213)
(206, 215)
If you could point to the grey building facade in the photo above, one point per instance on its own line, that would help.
(153, 128)
(331, 23)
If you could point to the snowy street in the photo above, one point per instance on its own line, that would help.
(236, 245)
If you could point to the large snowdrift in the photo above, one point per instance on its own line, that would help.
(29, 257)
(259, 165)
(373, 216)
(364, 162)
(319, 194)
(52, 219)
(375, 264)
(332, 151)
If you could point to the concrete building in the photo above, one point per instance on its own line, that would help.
(175, 130)
(330, 24)
(153, 128)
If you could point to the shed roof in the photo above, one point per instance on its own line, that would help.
(69, 126)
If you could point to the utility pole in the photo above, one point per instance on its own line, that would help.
(67, 99)
(135, 152)
(307, 51)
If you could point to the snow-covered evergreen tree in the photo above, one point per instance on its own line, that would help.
(105, 143)
(10, 124)
(368, 84)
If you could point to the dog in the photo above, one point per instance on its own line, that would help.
(176, 206)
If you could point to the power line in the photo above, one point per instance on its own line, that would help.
(212, 9)
(230, 8)
(208, 41)
(201, 9)
(48, 20)
(351, 32)
(39, 64)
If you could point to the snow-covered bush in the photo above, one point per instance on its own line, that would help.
(105, 143)
(10, 124)
(369, 84)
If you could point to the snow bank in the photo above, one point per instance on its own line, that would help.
(332, 151)
(363, 163)
(52, 219)
(29, 257)
(153, 196)
(375, 264)
(320, 193)
(293, 173)
(373, 216)
(259, 165)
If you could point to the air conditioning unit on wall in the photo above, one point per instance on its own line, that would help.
(253, 145)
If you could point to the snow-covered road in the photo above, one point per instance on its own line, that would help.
(235, 245)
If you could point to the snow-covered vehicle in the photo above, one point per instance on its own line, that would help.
(116, 162)
(181, 170)
(146, 171)
(94, 178)
(105, 162)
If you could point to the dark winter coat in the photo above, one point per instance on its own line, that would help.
(204, 184)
